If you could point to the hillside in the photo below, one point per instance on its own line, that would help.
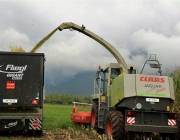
(79, 84)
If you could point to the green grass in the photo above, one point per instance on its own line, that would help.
(58, 116)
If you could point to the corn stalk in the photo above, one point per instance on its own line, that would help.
(176, 78)
(17, 49)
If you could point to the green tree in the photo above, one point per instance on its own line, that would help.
(65, 99)
(176, 79)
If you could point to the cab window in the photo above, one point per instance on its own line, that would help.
(115, 72)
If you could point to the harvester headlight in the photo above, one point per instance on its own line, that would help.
(138, 106)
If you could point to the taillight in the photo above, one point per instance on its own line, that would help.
(34, 101)
(39, 115)
(173, 115)
(131, 113)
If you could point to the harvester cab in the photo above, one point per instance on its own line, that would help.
(104, 77)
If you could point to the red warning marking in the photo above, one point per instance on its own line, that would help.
(35, 124)
(130, 120)
(10, 84)
(171, 122)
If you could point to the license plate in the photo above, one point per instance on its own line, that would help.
(9, 100)
(152, 100)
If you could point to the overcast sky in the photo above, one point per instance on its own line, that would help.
(136, 28)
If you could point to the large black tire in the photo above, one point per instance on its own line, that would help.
(35, 133)
(94, 116)
(114, 125)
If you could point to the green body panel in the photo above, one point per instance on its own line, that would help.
(151, 94)
(116, 90)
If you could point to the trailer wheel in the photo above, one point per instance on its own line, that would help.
(94, 115)
(39, 132)
(114, 125)
(35, 132)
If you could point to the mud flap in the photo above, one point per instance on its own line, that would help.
(11, 124)
(18, 124)
(35, 124)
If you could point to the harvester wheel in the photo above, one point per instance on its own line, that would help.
(94, 115)
(114, 125)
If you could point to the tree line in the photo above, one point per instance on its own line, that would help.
(65, 99)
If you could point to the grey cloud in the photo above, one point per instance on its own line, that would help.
(135, 28)
(166, 48)
(12, 38)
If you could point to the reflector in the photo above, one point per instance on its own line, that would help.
(131, 113)
(173, 115)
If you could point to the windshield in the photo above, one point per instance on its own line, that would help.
(115, 72)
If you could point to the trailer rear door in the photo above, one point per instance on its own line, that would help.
(21, 79)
